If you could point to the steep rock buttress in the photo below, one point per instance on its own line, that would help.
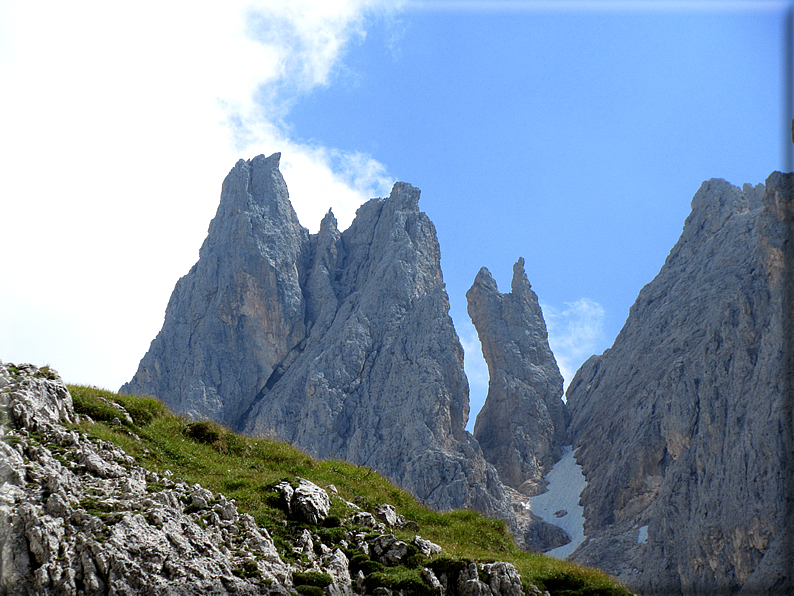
(521, 427)
(683, 427)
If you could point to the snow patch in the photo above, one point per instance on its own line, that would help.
(566, 483)
(642, 536)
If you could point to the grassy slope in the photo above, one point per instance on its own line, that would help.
(246, 469)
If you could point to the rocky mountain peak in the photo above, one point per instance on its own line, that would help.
(203, 363)
(520, 286)
(404, 197)
(521, 427)
(257, 187)
(328, 224)
(338, 342)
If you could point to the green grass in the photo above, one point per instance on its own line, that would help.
(400, 578)
(246, 470)
(312, 578)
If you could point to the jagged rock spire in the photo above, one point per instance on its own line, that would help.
(207, 361)
(521, 427)
(339, 342)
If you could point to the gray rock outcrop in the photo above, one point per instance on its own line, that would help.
(426, 547)
(522, 425)
(683, 427)
(500, 579)
(338, 342)
(310, 503)
(77, 516)
(389, 516)
(541, 536)
(388, 550)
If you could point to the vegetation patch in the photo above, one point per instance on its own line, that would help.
(247, 570)
(331, 536)
(361, 562)
(12, 440)
(95, 507)
(87, 402)
(416, 560)
(234, 485)
(204, 432)
(407, 581)
(312, 578)
(449, 566)
(97, 403)
(220, 438)
(46, 372)
(142, 410)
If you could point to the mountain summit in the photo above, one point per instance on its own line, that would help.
(338, 342)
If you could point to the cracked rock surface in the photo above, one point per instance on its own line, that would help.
(76, 516)
(683, 427)
(522, 425)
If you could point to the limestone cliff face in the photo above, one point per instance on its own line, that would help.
(338, 342)
(380, 379)
(683, 426)
(240, 311)
(522, 425)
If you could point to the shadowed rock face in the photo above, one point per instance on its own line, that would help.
(682, 426)
(521, 427)
(340, 343)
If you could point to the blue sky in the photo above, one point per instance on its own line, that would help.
(573, 134)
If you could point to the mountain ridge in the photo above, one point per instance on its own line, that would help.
(341, 343)
(679, 426)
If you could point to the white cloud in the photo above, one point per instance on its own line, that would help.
(331, 178)
(119, 123)
(574, 333)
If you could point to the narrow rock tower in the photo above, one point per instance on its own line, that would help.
(521, 427)
(239, 312)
